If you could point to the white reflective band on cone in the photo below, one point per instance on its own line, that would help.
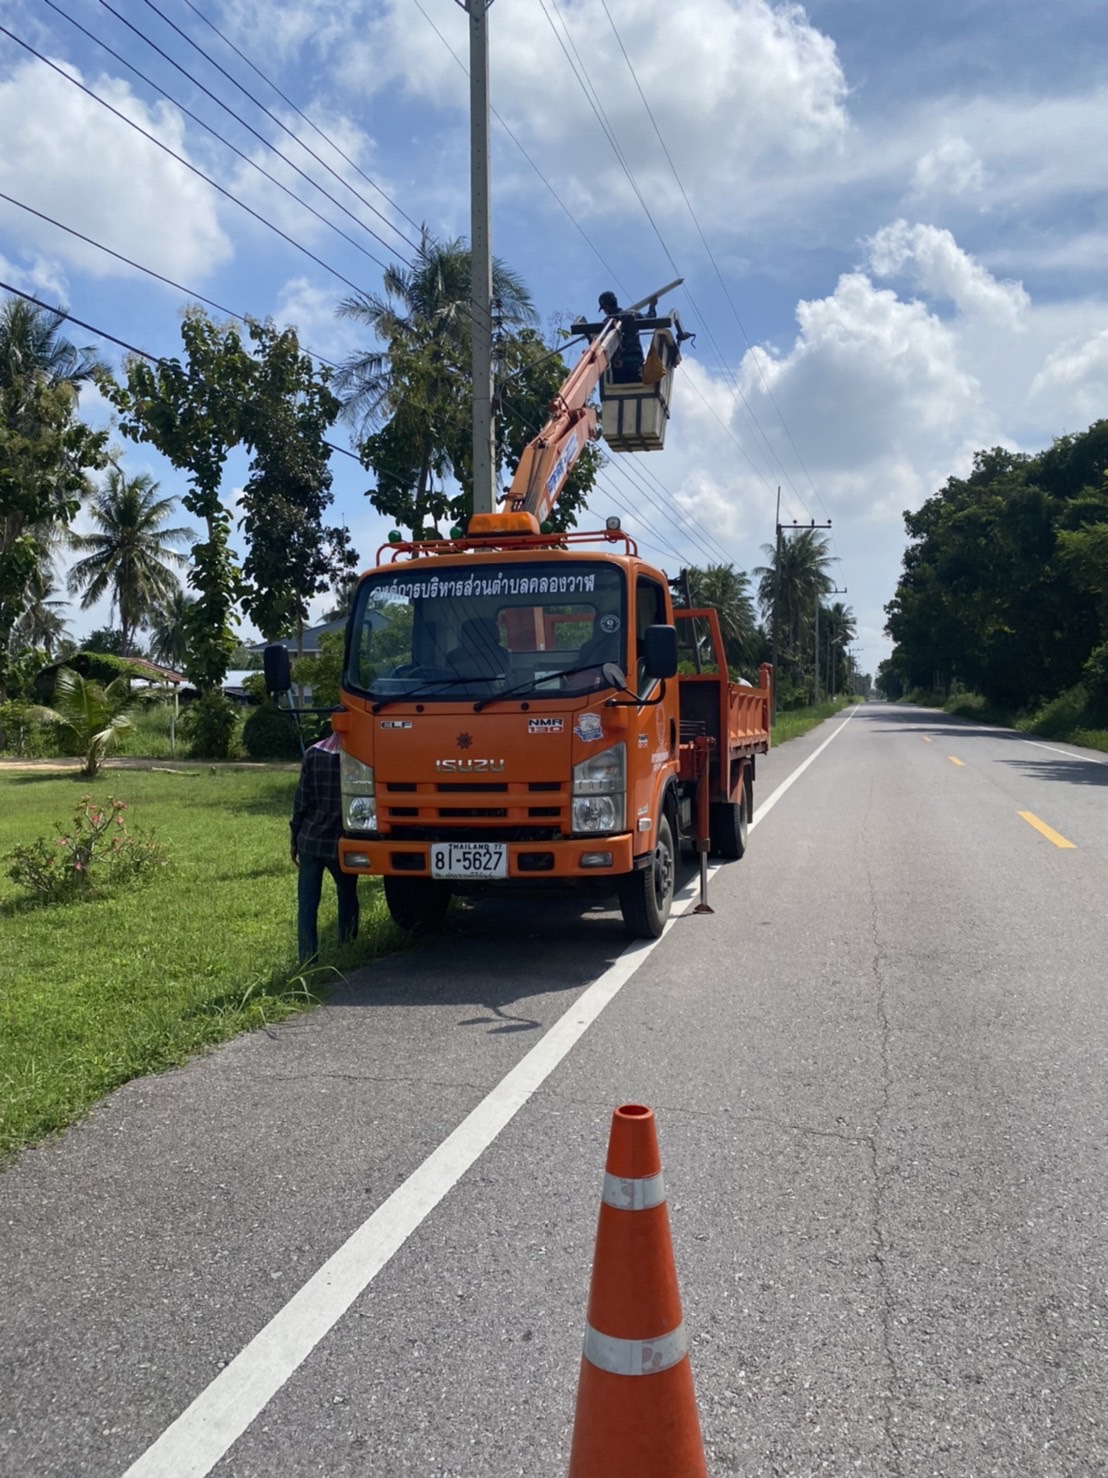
(633, 1195)
(635, 1356)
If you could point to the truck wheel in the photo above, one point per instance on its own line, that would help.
(417, 903)
(727, 823)
(646, 896)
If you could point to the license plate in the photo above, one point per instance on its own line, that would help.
(469, 860)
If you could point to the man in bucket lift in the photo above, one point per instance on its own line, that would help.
(627, 367)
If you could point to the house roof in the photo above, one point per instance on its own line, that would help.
(310, 636)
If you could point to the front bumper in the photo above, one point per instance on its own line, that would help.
(532, 860)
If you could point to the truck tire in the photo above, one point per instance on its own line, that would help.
(646, 896)
(417, 903)
(727, 824)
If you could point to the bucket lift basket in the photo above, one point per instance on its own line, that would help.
(633, 417)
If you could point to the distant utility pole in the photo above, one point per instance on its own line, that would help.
(789, 528)
(830, 665)
(480, 249)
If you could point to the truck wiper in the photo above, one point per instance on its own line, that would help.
(423, 690)
(532, 683)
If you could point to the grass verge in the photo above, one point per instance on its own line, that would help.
(792, 723)
(95, 993)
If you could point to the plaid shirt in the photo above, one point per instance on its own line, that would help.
(317, 810)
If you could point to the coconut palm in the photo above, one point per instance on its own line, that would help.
(423, 308)
(42, 623)
(789, 587)
(32, 350)
(168, 628)
(94, 715)
(838, 623)
(728, 591)
(130, 555)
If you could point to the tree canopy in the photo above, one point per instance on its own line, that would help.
(1003, 586)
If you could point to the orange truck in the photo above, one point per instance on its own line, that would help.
(512, 715)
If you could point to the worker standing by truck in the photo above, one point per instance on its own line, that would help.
(316, 827)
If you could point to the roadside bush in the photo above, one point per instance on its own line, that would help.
(22, 734)
(270, 734)
(210, 725)
(94, 853)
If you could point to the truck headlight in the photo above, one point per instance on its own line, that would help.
(600, 790)
(359, 794)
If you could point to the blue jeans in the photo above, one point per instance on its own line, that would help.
(309, 889)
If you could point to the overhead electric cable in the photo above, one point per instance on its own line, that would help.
(180, 160)
(298, 111)
(250, 129)
(149, 271)
(711, 257)
(227, 143)
(123, 344)
(558, 199)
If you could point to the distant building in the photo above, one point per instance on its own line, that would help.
(308, 641)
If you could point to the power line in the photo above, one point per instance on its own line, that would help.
(149, 271)
(272, 116)
(180, 160)
(123, 344)
(298, 111)
(226, 142)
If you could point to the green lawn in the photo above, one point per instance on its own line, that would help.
(95, 992)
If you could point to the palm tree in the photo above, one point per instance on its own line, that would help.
(841, 629)
(31, 349)
(94, 715)
(130, 555)
(421, 307)
(788, 589)
(728, 590)
(168, 628)
(42, 623)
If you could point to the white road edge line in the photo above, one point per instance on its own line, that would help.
(192, 1445)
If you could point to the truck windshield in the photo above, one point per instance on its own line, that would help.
(543, 627)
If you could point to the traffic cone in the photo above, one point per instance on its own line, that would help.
(636, 1410)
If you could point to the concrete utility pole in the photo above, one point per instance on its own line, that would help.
(830, 643)
(480, 292)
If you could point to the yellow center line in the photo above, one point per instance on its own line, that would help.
(1047, 831)
(953, 761)
(927, 739)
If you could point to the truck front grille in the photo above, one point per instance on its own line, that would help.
(522, 810)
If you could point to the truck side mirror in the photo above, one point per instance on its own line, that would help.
(659, 651)
(275, 662)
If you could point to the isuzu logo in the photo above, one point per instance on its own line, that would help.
(469, 767)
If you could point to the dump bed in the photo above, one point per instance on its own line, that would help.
(733, 717)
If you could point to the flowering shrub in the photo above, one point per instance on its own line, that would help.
(94, 852)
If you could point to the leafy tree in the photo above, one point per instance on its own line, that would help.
(46, 453)
(109, 641)
(130, 555)
(192, 413)
(95, 716)
(292, 555)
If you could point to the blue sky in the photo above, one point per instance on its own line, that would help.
(890, 219)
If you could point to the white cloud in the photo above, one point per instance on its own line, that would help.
(754, 85)
(69, 158)
(1078, 372)
(43, 278)
(951, 168)
(933, 259)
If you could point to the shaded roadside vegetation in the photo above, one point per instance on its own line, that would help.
(1001, 610)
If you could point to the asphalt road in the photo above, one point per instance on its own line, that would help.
(879, 1073)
